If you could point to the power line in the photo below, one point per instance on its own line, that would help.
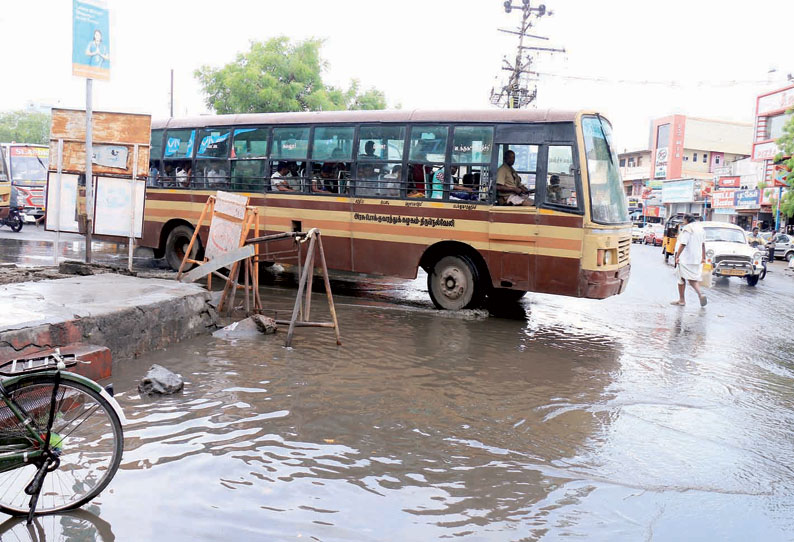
(668, 83)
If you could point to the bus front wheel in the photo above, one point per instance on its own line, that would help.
(176, 245)
(453, 283)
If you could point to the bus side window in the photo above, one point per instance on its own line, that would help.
(525, 165)
(379, 161)
(471, 155)
(290, 147)
(428, 152)
(560, 179)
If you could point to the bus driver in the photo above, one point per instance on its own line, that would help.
(508, 184)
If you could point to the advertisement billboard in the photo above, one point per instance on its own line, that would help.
(90, 39)
(678, 191)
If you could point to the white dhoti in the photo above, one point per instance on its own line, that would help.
(689, 271)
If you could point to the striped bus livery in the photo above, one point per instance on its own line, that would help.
(470, 248)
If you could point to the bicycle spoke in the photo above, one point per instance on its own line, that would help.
(90, 453)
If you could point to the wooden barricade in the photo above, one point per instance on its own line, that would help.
(231, 219)
(301, 312)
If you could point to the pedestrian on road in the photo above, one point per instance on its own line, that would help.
(689, 259)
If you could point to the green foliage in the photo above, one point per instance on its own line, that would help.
(786, 144)
(277, 75)
(24, 127)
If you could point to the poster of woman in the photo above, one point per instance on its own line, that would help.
(91, 39)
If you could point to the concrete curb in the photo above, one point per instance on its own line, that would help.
(143, 315)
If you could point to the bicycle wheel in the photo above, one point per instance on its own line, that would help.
(86, 431)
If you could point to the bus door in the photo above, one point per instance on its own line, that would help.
(512, 228)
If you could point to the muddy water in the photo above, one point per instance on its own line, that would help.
(625, 419)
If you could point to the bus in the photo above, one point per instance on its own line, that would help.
(395, 191)
(26, 167)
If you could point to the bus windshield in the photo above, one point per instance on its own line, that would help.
(607, 199)
(28, 164)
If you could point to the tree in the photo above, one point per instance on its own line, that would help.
(786, 145)
(25, 127)
(277, 75)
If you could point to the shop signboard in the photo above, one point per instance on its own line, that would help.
(765, 151)
(780, 175)
(678, 191)
(775, 101)
(654, 183)
(747, 199)
(660, 169)
(652, 211)
(729, 182)
(723, 199)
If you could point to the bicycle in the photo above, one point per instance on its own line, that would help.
(61, 436)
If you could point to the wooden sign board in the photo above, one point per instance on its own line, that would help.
(113, 137)
(226, 227)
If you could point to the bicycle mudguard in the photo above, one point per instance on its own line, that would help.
(74, 377)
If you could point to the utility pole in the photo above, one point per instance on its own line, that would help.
(172, 92)
(515, 93)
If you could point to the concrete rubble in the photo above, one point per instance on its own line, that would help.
(161, 381)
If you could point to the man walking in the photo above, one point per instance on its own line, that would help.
(689, 258)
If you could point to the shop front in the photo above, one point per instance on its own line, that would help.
(748, 206)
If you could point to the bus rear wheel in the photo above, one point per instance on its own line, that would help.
(454, 283)
(176, 245)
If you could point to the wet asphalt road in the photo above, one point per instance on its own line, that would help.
(622, 419)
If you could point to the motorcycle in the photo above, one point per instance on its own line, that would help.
(12, 219)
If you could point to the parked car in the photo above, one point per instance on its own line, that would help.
(653, 236)
(637, 233)
(729, 253)
(784, 246)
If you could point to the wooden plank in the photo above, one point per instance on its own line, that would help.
(74, 160)
(108, 127)
(223, 260)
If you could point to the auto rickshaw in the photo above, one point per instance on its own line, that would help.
(670, 235)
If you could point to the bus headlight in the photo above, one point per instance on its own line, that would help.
(607, 257)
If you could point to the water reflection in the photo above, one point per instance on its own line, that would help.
(83, 525)
(463, 425)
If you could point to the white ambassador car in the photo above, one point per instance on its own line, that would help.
(729, 253)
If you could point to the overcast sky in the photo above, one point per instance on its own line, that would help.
(701, 58)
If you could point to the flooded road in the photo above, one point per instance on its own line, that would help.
(623, 419)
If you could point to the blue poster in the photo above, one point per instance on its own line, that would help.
(90, 39)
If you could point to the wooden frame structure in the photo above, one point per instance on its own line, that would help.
(249, 220)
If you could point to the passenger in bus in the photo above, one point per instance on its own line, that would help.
(215, 176)
(440, 182)
(417, 181)
(465, 190)
(369, 151)
(280, 180)
(183, 176)
(323, 182)
(510, 189)
(391, 184)
(554, 190)
(367, 184)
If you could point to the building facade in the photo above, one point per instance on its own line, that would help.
(693, 148)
